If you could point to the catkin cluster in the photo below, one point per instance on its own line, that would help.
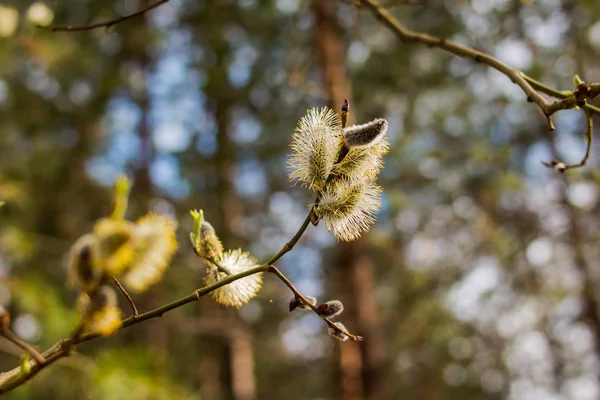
(340, 165)
(138, 252)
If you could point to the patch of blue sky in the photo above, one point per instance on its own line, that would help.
(533, 167)
(250, 179)
(164, 173)
(123, 147)
(122, 116)
(102, 170)
(171, 137)
(244, 57)
(245, 128)
(238, 73)
(177, 101)
(206, 144)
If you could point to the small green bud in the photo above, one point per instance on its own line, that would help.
(204, 238)
(198, 216)
(25, 367)
(2, 203)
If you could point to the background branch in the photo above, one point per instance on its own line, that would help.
(105, 24)
(527, 84)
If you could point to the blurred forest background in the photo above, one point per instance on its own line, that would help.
(478, 281)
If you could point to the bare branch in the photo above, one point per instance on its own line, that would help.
(527, 84)
(105, 24)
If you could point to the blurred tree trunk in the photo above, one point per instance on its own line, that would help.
(237, 360)
(143, 190)
(360, 366)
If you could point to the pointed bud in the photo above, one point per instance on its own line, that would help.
(296, 302)
(366, 134)
(345, 110)
(198, 216)
(337, 333)
(2, 203)
(577, 81)
(330, 308)
(345, 106)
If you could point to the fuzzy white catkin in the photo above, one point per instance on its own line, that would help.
(365, 135)
(241, 291)
(315, 146)
(155, 244)
(349, 207)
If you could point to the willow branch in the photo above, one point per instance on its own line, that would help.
(105, 24)
(23, 345)
(16, 377)
(331, 324)
(290, 245)
(527, 84)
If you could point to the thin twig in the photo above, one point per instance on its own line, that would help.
(24, 345)
(331, 324)
(105, 24)
(129, 299)
(589, 134)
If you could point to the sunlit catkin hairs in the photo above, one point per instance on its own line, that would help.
(341, 166)
(349, 207)
(315, 147)
(154, 245)
(241, 291)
